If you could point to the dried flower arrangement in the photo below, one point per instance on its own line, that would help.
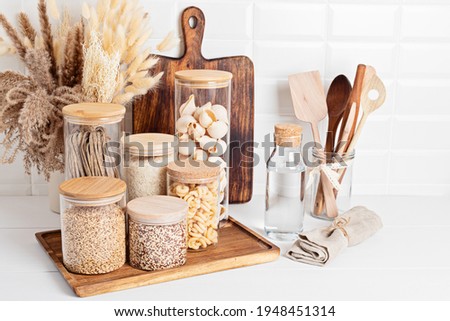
(101, 59)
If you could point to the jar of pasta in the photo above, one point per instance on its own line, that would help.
(197, 182)
(146, 159)
(93, 135)
(157, 232)
(93, 224)
(202, 121)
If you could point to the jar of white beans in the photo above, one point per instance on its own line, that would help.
(197, 182)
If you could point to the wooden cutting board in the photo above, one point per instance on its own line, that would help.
(155, 111)
(238, 246)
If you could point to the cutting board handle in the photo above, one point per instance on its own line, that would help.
(193, 35)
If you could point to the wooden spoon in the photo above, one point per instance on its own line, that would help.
(337, 99)
(369, 105)
(350, 118)
(310, 106)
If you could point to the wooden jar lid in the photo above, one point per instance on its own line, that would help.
(289, 135)
(192, 169)
(204, 77)
(158, 209)
(150, 144)
(94, 112)
(92, 188)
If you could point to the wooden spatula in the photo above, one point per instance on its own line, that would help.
(337, 98)
(310, 106)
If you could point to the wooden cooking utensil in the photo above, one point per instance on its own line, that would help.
(154, 112)
(309, 102)
(337, 98)
(369, 105)
(350, 118)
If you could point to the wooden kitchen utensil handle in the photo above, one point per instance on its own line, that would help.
(350, 119)
(193, 35)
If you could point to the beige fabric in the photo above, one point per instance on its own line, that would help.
(320, 246)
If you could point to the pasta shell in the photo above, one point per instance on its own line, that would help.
(183, 122)
(188, 108)
(199, 110)
(199, 154)
(219, 161)
(218, 148)
(218, 129)
(206, 118)
(195, 130)
(220, 112)
(206, 142)
(186, 147)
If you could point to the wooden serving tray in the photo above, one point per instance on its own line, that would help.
(238, 246)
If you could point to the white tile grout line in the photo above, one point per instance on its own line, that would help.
(397, 34)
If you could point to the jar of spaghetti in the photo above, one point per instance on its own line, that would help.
(197, 182)
(93, 135)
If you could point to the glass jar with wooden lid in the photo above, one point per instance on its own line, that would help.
(93, 224)
(93, 134)
(157, 232)
(146, 159)
(197, 182)
(202, 121)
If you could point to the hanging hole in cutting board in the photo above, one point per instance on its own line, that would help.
(373, 94)
(193, 22)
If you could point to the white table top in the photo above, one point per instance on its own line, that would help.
(408, 259)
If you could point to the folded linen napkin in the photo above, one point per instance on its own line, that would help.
(320, 246)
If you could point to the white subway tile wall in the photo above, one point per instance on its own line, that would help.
(405, 147)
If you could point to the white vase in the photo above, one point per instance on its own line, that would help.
(56, 179)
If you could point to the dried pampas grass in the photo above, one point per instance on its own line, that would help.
(31, 105)
(124, 29)
(100, 72)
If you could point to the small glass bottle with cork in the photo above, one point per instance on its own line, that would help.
(285, 185)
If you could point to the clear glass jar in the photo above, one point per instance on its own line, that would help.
(202, 120)
(146, 159)
(93, 224)
(340, 167)
(197, 182)
(157, 232)
(284, 213)
(93, 135)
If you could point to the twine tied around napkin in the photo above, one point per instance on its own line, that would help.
(339, 223)
(319, 246)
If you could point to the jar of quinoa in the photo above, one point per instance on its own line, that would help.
(157, 232)
(93, 224)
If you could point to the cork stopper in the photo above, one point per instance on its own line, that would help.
(158, 209)
(192, 170)
(288, 135)
(92, 188)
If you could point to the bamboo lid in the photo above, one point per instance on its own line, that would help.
(204, 76)
(98, 112)
(92, 188)
(192, 169)
(158, 209)
(288, 135)
(150, 144)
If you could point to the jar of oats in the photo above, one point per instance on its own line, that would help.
(197, 182)
(147, 156)
(157, 232)
(93, 224)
